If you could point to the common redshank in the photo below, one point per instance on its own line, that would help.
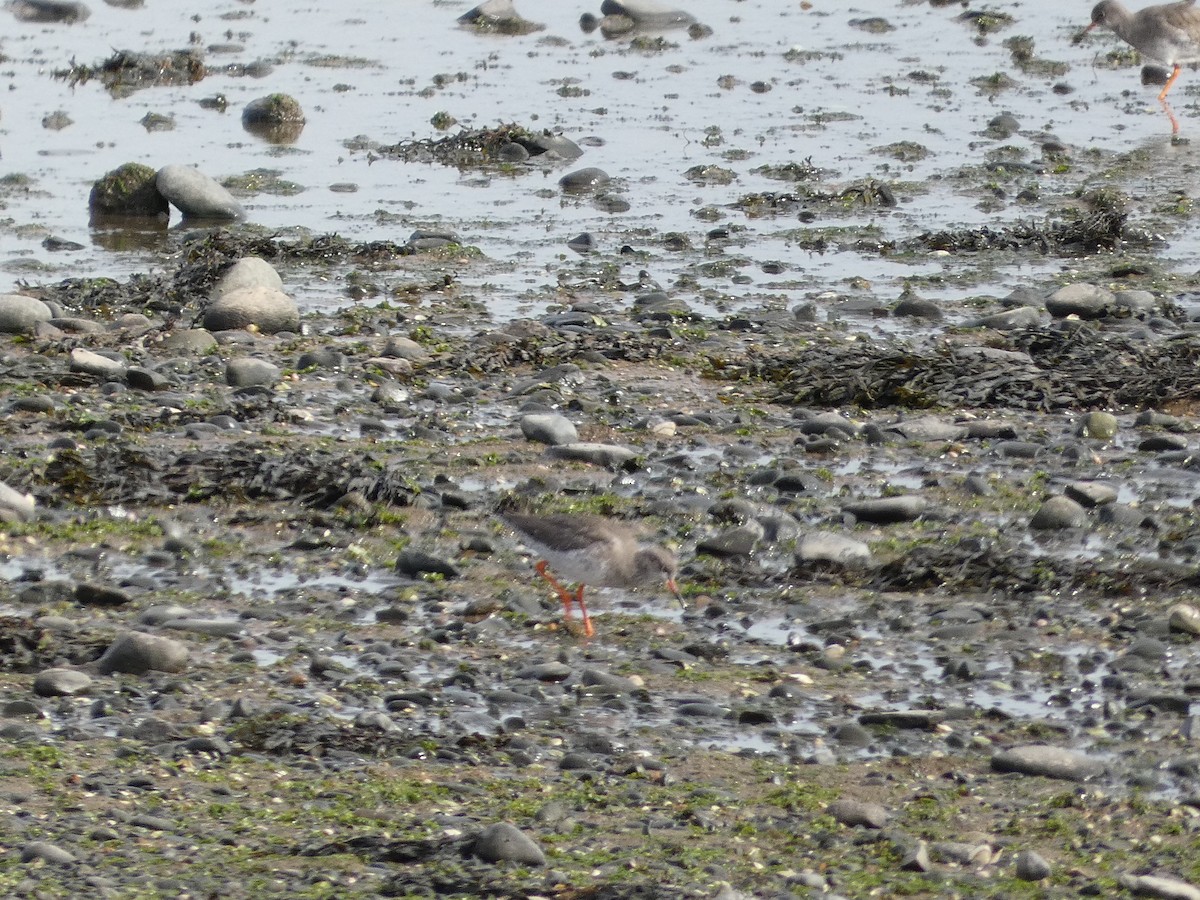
(1169, 33)
(592, 550)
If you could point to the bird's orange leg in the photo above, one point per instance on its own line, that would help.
(588, 630)
(1162, 95)
(567, 598)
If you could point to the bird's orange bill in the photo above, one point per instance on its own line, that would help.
(1078, 39)
(674, 589)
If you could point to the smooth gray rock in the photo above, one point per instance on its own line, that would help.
(1184, 618)
(46, 852)
(548, 428)
(196, 195)
(858, 812)
(247, 272)
(1009, 319)
(505, 842)
(247, 371)
(15, 506)
(1086, 301)
(267, 309)
(137, 653)
(1091, 493)
(648, 13)
(1059, 513)
(887, 510)
(61, 683)
(21, 315)
(1051, 762)
(1101, 426)
(415, 563)
(89, 363)
(1157, 886)
(929, 428)
(824, 547)
(1030, 866)
(405, 348)
(190, 340)
(611, 456)
(61, 11)
(583, 180)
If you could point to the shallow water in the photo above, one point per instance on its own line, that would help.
(644, 118)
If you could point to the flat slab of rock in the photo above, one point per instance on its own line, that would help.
(196, 195)
(1051, 762)
(611, 456)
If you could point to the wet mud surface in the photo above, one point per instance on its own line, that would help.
(911, 393)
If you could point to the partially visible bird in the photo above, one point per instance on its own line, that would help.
(1169, 33)
(592, 550)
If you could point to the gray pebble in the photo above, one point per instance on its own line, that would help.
(858, 812)
(61, 683)
(824, 547)
(1157, 886)
(246, 371)
(196, 195)
(505, 842)
(136, 653)
(47, 852)
(1059, 513)
(1087, 301)
(1030, 866)
(89, 363)
(267, 309)
(1101, 426)
(549, 428)
(887, 510)
(20, 314)
(610, 456)
(583, 180)
(1051, 762)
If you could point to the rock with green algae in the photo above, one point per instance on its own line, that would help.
(128, 190)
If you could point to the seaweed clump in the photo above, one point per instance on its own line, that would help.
(127, 70)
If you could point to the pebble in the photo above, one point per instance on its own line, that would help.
(1158, 886)
(610, 456)
(97, 364)
(858, 812)
(1029, 866)
(196, 195)
(888, 510)
(266, 309)
(46, 852)
(1086, 301)
(248, 371)
(584, 180)
(1185, 618)
(825, 547)
(416, 563)
(504, 842)
(1051, 762)
(1101, 426)
(15, 506)
(1059, 513)
(20, 314)
(137, 653)
(61, 683)
(549, 428)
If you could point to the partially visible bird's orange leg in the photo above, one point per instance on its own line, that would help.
(1162, 95)
(588, 630)
(568, 598)
(1171, 115)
